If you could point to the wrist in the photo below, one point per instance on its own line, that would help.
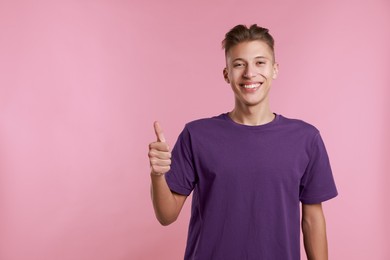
(157, 174)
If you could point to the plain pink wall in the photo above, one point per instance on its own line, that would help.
(81, 83)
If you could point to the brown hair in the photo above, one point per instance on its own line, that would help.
(241, 33)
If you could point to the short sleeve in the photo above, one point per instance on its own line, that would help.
(181, 178)
(317, 184)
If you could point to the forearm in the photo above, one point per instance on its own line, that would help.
(164, 202)
(314, 237)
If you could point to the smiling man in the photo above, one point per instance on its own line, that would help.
(249, 169)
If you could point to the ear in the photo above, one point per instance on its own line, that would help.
(276, 71)
(225, 75)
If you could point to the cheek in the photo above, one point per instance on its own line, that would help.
(235, 75)
(267, 72)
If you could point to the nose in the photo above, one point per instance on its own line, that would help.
(249, 72)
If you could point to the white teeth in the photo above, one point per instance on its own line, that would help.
(251, 86)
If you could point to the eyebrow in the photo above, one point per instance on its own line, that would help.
(261, 57)
(257, 57)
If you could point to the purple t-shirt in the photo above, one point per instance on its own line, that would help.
(247, 182)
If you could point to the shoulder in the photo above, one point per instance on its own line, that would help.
(298, 125)
(204, 128)
(210, 123)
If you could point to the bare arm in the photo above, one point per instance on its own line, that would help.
(314, 232)
(167, 205)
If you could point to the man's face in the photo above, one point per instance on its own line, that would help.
(250, 69)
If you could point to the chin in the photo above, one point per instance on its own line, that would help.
(250, 103)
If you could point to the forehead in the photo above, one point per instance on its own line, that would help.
(249, 50)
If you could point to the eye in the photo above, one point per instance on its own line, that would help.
(260, 62)
(238, 65)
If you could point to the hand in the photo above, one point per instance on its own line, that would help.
(159, 153)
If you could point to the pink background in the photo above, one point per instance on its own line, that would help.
(81, 83)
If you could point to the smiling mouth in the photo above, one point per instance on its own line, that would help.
(251, 86)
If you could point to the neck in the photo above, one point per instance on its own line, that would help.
(252, 115)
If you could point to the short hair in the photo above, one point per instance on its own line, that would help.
(241, 33)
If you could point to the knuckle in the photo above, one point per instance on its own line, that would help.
(153, 145)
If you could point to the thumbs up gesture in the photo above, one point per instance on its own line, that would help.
(159, 153)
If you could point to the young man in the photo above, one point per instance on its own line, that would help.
(248, 169)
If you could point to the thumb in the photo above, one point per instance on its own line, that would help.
(159, 132)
